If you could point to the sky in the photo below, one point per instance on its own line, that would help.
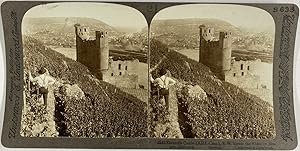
(126, 17)
(238, 15)
(112, 14)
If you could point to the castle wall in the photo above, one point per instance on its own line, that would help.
(95, 55)
(126, 81)
(243, 82)
(243, 74)
(122, 73)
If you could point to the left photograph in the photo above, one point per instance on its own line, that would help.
(85, 71)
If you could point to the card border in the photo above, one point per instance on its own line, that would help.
(286, 137)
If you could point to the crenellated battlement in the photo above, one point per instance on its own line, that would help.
(207, 33)
(82, 31)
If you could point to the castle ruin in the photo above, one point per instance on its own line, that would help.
(94, 53)
(216, 54)
(242, 73)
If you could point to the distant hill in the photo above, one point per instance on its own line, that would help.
(60, 30)
(102, 110)
(184, 33)
(188, 26)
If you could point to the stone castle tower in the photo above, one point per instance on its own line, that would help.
(93, 53)
(215, 54)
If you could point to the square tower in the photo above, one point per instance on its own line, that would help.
(216, 54)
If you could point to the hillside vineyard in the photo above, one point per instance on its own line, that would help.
(207, 77)
(88, 114)
(217, 109)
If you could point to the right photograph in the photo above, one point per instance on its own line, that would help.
(211, 72)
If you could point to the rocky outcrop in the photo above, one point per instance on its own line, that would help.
(73, 91)
(195, 92)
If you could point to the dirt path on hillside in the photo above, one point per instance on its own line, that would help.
(173, 124)
(164, 125)
(51, 113)
(36, 120)
(169, 126)
(48, 128)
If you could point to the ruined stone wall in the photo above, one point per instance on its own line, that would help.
(243, 74)
(122, 73)
(124, 81)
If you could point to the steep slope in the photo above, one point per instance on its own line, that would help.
(85, 106)
(217, 109)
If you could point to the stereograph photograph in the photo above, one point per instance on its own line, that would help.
(211, 70)
(85, 71)
(89, 71)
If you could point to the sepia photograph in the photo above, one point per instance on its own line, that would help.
(149, 75)
(85, 71)
(211, 72)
